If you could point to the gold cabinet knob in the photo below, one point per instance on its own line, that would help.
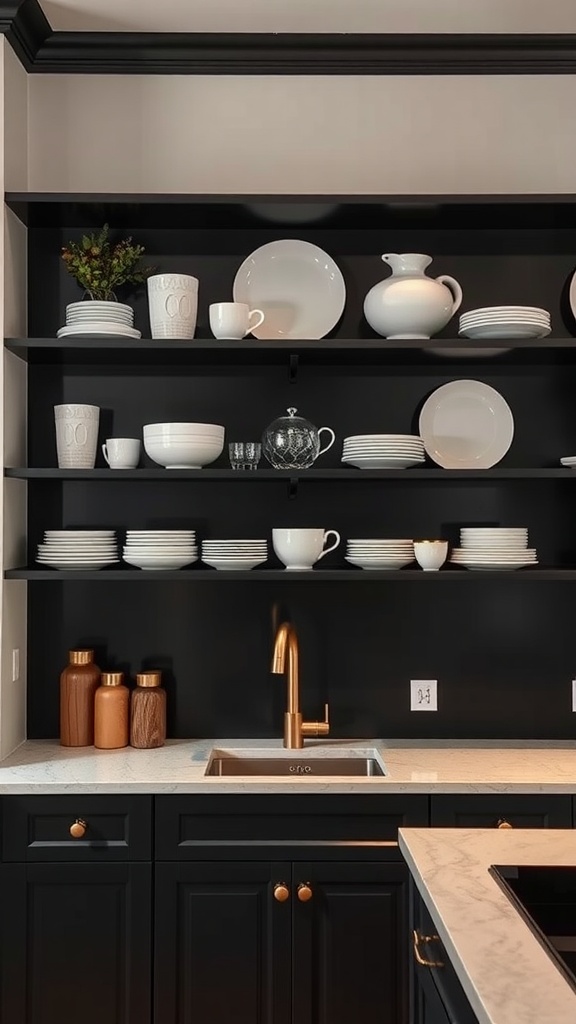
(304, 892)
(78, 829)
(423, 940)
(502, 823)
(281, 892)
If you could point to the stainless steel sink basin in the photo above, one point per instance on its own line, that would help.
(295, 767)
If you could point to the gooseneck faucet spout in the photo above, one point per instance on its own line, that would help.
(286, 651)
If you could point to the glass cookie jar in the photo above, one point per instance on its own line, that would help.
(292, 442)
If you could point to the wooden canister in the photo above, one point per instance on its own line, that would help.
(78, 685)
(111, 712)
(148, 711)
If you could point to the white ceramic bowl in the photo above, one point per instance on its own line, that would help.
(431, 554)
(172, 429)
(158, 562)
(183, 454)
(233, 565)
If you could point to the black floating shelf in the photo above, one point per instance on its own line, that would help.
(128, 352)
(289, 476)
(280, 576)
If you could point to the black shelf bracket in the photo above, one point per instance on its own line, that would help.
(293, 368)
(292, 488)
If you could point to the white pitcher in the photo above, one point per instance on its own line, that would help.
(409, 304)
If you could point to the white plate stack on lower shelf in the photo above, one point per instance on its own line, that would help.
(489, 548)
(78, 549)
(373, 553)
(383, 451)
(503, 322)
(99, 319)
(234, 555)
(160, 549)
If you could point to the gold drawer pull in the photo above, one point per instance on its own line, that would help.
(424, 940)
(502, 823)
(305, 892)
(281, 892)
(78, 828)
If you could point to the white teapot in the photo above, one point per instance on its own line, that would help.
(408, 304)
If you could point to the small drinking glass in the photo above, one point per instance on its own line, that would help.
(244, 454)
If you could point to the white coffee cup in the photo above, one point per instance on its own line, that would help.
(232, 321)
(173, 305)
(122, 452)
(300, 549)
(430, 554)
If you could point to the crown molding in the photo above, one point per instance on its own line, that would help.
(41, 50)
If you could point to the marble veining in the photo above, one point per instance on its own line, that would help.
(43, 766)
(506, 974)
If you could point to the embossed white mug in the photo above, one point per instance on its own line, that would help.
(173, 305)
(232, 321)
(300, 549)
(121, 452)
(76, 435)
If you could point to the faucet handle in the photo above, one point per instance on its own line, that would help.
(317, 728)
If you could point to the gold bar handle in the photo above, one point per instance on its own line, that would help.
(318, 728)
(424, 940)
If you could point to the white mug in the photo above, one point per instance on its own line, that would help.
(231, 321)
(300, 549)
(76, 435)
(122, 452)
(173, 305)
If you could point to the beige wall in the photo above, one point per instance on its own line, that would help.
(303, 134)
(314, 15)
(14, 176)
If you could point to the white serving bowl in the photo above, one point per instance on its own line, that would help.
(183, 455)
(158, 562)
(175, 429)
(365, 562)
(233, 564)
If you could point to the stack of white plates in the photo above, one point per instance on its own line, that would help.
(236, 555)
(505, 322)
(383, 451)
(569, 461)
(78, 549)
(380, 554)
(494, 548)
(160, 549)
(99, 318)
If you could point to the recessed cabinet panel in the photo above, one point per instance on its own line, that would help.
(77, 828)
(222, 944)
(500, 811)
(76, 942)
(186, 826)
(350, 943)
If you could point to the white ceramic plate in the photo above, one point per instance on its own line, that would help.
(298, 286)
(378, 463)
(466, 425)
(228, 565)
(99, 330)
(365, 563)
(165, 562)
(76, 567)
(412, 438)
(497, 567)
(505, 331)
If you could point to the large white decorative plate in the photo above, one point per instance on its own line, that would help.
(298, 286)
(466, 425)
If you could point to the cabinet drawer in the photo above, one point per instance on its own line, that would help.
(439, 993)
(38, 828)
(194, 827)
(492, 811)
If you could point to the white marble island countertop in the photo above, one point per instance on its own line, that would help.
(506, 973)
(411, 766)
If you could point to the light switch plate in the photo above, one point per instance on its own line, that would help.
(423, 695)
(574, 695)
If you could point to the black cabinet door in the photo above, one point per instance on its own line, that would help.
(496, 809)
(222, 944)
(75, 943)
(350, 943)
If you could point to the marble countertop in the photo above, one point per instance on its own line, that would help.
(507, 975)
(411, 766)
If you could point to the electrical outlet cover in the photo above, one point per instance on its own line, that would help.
(423, 695)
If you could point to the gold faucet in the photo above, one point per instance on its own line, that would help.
(286, 643)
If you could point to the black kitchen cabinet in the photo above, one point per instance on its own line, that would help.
(437, 996)
(349, 942)
(222, 944)
(497, 810)
(228, 950)
(76, 943)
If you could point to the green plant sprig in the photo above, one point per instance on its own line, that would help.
(100, 267)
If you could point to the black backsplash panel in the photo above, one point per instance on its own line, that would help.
(503, 651)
